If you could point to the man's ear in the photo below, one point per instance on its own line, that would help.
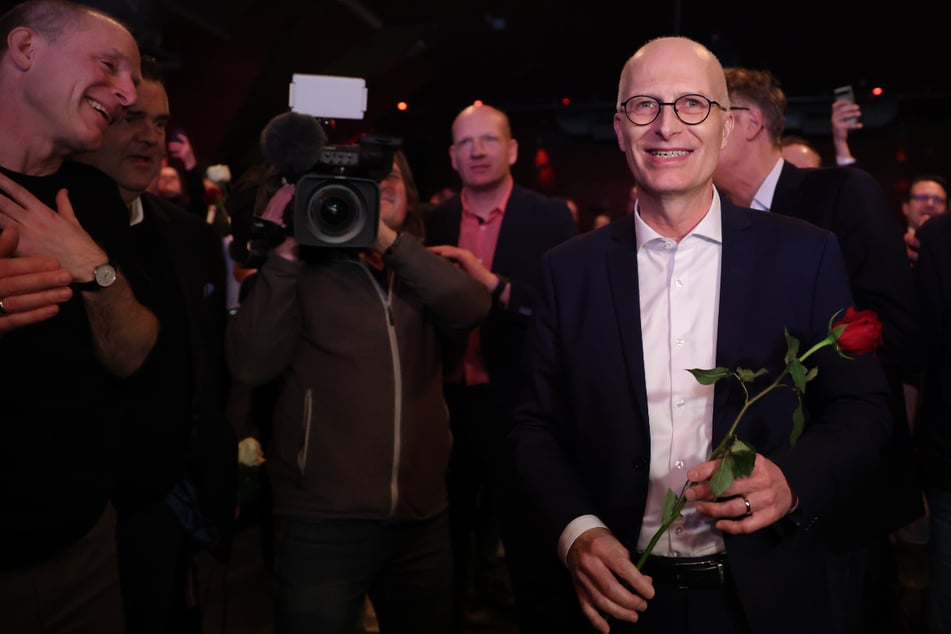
(729, 126)
(754, 122)
(21, 46)
(618, 131)
(513, 151)
(452, 157)
(748, 124)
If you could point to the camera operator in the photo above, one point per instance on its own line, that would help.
(360, 440)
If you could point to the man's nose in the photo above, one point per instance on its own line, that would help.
(125, 89)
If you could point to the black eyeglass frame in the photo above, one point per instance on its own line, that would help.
(622, 108)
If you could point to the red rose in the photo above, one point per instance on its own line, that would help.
(213, 194)
(862, 332)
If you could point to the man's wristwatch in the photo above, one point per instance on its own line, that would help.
(103, 276)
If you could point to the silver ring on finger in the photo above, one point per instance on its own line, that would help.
(749, 509)
(3, 311)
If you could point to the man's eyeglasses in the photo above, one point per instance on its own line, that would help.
(923, 198)
(690, 109)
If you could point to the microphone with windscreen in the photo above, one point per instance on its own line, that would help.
(293, 144)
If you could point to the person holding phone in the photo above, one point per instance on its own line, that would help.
(190, 189)
(846, 115)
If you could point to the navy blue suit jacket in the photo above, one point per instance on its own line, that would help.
(850, 203)
(582, 437)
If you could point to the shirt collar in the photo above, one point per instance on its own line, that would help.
(764, 195)
(136, 213)
(710, 227)
(500, 209)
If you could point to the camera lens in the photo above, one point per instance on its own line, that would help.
(336, 213)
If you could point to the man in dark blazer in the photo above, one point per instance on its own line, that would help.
(497, 231)
(177, 454)
(611, 418)
(933, 432)
(849, 202)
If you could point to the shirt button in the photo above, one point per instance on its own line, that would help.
(679, 283)
(679, 342)
(668, 245)
(680, 530)
(679, 464)
(681, 403)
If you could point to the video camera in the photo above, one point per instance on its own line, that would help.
(337, 199)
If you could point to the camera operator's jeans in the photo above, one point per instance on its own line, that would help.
(324, 569)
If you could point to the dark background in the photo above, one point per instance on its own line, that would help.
(229, 65)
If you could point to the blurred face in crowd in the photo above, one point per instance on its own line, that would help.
(133, 147)
(393, 202)
(482, 149)
(925, 199)
(666, 155)
(80, 82)
(168, 183)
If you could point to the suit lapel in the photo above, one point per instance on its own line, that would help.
(735, 297)
(622, 278)
(786, 198)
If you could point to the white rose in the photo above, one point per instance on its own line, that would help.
(249, 452)
(218, 174)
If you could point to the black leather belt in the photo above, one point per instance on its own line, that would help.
(689, 573)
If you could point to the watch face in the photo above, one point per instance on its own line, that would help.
(105, 275)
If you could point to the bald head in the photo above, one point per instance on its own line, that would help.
(801, 154)
(499, 119)
(673, 61)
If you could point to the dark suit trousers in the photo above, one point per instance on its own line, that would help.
(153, 570)
(695, 611)
(478, 427)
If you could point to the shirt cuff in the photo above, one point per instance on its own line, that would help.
(573, 531)
(842, 161)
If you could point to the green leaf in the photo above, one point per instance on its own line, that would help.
(744, 456)
(670, 504)
(722, 477)
(709, 377)
(798, 372)
(792, 346)
(798, 424)
(748, 376)
(812, 374)
(737, 463)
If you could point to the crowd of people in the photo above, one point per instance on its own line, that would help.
(483, 406)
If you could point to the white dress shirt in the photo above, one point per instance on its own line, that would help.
(679, 285)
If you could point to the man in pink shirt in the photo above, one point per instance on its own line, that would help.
(497, 231)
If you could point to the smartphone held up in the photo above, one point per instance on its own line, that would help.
(846, 93)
